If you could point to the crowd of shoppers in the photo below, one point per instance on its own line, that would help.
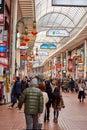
(40, 95)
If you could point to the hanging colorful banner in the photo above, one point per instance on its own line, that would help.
(70, 65)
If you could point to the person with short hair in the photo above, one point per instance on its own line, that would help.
(32, 98)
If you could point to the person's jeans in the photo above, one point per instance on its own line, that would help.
(39, 126)
(56, 113)
(31, 122)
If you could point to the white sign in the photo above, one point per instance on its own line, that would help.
(57, 33)
(5, 36)
(1, 33)
(1, 70)
(4, 60)
(43, 53)
(79, 3)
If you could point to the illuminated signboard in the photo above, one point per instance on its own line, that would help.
(0, 1)
(3, 49)
(78, 3)
(2, 6)
(57, 33)
(43, 53)
(48, 46)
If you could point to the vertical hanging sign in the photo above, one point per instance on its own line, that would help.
(1, 12)
(1, 6)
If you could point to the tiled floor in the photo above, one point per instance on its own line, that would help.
(72, 117)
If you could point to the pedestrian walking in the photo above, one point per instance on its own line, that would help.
(42, 87)
(57, 101)
(24, 83)
(32, 98)
(48, 104)
(13, 102)
(81, 93)
(15, 92)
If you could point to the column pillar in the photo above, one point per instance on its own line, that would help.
(85, 58)
(61, 65)
(14, 37)
(67, 62)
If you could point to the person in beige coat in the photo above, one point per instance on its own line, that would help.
(42, 87)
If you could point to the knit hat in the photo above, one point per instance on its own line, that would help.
(34, 81)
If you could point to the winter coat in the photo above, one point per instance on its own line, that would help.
(32, 98)
(49, 93)
(16, 88)
(41, 118)
(57, 100)
(24, 85)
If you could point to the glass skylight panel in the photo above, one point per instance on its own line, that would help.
(49, 17)
(59, 19)
(66, 21)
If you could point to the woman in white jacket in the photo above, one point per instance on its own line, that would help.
(42, 87)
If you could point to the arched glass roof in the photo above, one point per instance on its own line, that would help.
(49, 17)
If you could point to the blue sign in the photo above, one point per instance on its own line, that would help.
(48, 46)
(0, 1)
(3, 48)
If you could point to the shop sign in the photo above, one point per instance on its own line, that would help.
(3, 54)
(1, 19)
(43, 53)
(48, 46)
(2, 6)
(3, 49)
(4, 65)
(5, 36)
(1, 70)
(23, 55)
(1, 33)
(3, 43)
(70, 64)
(57, 33)
(77, 3)
(4, 62)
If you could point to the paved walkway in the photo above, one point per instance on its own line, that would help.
(72, 117)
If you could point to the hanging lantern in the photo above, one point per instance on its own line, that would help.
(36, 54)
(26, 39)
(34, 32)
(23, 45)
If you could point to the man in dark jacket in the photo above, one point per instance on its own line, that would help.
(24, 83)
(16, 90)
(33, 105)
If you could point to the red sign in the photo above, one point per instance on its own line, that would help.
(70, 64)
(1, 18)
(3, 43)
(4, 65)
(3, 54)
